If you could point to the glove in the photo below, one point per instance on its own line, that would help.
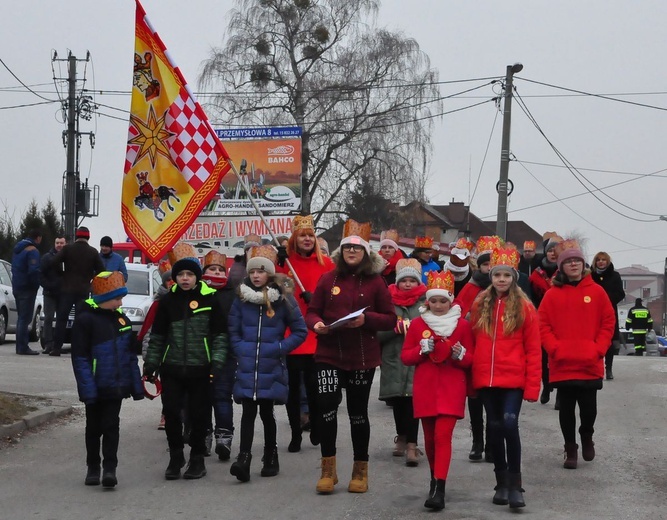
(149, 375)
(282, 255)
(427, 346)
(402, 326)
(306, 296)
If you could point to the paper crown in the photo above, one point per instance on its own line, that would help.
(408, 268)
(215, 258)
(266, 251)
(181, 250)
(389, 234)
(464, 243)
(164, 266)
(568, 244)
(108, 285)
(508, 257)
(529, 244)
(423, 243)
(486, 244)
(360, 229)
(253, 239)
(443, 280)
(551, 239)
(303, 222)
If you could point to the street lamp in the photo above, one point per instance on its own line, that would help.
(501, 222)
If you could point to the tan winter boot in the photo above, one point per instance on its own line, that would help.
(412, 454)
(359, 480)
(399, 446)
(329, 477)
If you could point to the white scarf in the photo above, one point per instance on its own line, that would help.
(248, 294)
(444, 325)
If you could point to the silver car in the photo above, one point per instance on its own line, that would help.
(8, 313)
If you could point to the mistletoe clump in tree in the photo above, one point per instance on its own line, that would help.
(364, 96)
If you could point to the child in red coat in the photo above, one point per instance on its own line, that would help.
(440, 344)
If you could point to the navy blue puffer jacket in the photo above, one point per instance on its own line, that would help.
(105, 366)
(260, 346)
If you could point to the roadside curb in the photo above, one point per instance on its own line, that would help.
(43, 415)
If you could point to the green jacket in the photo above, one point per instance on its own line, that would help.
(395, 377)
(189, 334)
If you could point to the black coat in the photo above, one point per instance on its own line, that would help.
(612, 284)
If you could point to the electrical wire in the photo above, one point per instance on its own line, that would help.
(578, 174)
(595, 170)
(29, 105)
(479, 175)
(24, 85)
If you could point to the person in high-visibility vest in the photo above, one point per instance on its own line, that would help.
(640, 321)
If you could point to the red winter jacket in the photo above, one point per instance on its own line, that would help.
(440, 383)
(513, 361)
(577, 324)
(466, 297)
(336, 296)
(309, 271)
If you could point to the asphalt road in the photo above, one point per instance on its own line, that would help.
(42, 475)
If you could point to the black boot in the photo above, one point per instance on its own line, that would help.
(545, 396)
(501, 497)
(93, 476)
(436, 499)
(515, 494)
(109, 479)
(241, 468)
(477, 451)
(176, 462)
(295, 443)
(609, 374)
(270, 468)
(196, 468)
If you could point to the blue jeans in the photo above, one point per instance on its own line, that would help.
(223, 408)
(503, 406)
(25, 307)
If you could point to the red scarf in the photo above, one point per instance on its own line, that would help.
(391, 267)
(216, 282)
(406, 298)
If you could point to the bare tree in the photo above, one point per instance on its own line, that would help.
(364, 96)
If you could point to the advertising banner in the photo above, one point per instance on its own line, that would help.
(269, 163)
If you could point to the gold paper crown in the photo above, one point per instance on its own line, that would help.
(486, 244)
(252, 237)
(107, 281)
(265, 251)
(303, 222)
(440, 280)
(505, 256)
(423, 243)
(569, 243)
(409, 263)
(215, 258)
(360, 229)
(529, 244)
(464, 243)
(550, 234)
(164, 266)
(181, 250)
(389, 234)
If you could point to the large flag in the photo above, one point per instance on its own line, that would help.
(175, 161)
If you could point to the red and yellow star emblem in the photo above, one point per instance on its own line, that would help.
(152, 138)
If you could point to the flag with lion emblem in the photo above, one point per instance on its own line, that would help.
(174, 161)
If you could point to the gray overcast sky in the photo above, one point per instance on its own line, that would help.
(611, 47)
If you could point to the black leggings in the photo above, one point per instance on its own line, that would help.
(587, 398)
(357, 383)
(296, 365)
(248, 423)
(404, 418)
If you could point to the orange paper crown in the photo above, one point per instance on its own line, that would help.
(181, 250)
(569, 243)
(464, 243)
(215, 258)
(529, 244)
(107, 281)
(409, 263)
(389, 234)
(265, 251)
(423, 243)
(505, 256)
(440, 280)
(164, 266)
(303, 222)
(486, 244)
(360, 229)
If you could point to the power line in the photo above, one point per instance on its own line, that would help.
(596, 170)
(479, 176)
(28, 105)
(21, 82)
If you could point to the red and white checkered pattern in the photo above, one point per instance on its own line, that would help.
(132, 149)
(193, 147)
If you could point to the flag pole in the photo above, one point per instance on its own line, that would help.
(266, 224)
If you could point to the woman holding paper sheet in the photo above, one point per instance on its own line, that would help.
(347, 356)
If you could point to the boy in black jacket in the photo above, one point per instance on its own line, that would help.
(106, 371)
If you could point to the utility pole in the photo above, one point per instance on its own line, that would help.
(502, 187)
(76, 198)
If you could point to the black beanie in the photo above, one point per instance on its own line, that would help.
(106, 241)
(186, 264)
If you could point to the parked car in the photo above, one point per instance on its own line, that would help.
(8, 312)
(143, 281)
